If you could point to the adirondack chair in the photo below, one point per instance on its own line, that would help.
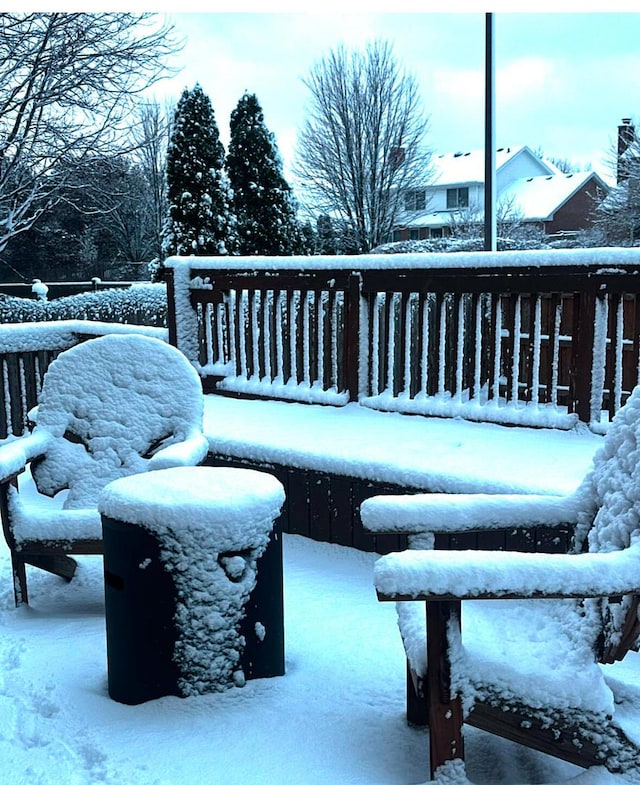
(109, 407)
(535, 657)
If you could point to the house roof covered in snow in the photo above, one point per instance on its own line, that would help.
(538, 198)
(468, 167)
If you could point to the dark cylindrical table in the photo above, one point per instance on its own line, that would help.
(193, 581)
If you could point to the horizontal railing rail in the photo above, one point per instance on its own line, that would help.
(26, 350)
(56, 289)
(541, 338)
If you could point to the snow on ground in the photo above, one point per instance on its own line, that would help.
(335, 718)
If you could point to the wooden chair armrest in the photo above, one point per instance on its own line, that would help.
(190, 452)
(459, 512)
(15, 455)
(466, 575)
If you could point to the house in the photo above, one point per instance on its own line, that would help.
(529, 190)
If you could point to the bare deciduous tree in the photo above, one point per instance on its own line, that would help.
(67, 85)
(151, 136)
(363, 142)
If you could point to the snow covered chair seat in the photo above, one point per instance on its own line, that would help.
(536, 657)
(110, 407)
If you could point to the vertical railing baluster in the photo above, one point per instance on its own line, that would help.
(496, 311)
(375, 343)
(279, 329)
(460, 343)
(536, 349)
(441, 333)
(391, 340)
(618, 354)
(478, 346)
(408, 344)
(293, 300)
(306, 338)
(208, 337)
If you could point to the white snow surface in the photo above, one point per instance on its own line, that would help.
(337, 716)
(451, 456)
(607, 257)
(229, 504)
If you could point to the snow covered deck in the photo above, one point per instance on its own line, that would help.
(444, 455)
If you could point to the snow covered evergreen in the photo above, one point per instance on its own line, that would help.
(200, 221)
(262, 199)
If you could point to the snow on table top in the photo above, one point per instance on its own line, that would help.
(440, 455)
(221, 499)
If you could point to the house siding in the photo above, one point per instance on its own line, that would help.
(576, 213)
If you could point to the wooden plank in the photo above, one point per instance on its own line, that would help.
(341, 508)
(361, 490)
(298, 485)
(351, 337)
(319, 507)
(570, 737)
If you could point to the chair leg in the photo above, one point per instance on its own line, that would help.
(19, 571)
(444, 710)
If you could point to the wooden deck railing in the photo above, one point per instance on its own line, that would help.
(540, 338)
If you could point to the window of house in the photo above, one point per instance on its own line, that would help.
(436, 232)
(414, 234)
(415, 200)
(457, 197)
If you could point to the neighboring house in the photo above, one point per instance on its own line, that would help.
(529, 190)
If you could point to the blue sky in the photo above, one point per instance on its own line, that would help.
(563, 80)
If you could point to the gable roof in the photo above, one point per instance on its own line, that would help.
(468, 167)
(538, 198)
(533, 198)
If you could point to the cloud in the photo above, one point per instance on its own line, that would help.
(524, 78)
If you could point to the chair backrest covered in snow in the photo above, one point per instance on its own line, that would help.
(614, 485)
(109, 405)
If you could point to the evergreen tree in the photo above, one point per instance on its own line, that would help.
(327, 239)
(200, 222)
(262, 199)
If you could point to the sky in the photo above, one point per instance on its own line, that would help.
(564, 80)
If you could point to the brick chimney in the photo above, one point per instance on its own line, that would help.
(626, 137)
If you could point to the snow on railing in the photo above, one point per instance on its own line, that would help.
(541, 338)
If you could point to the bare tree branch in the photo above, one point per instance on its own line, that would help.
(68, 82)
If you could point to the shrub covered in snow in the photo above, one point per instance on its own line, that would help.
(455, 244)
(139, 304)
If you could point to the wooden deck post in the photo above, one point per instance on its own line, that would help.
(444, 710)
(581, 372)
(171, 306)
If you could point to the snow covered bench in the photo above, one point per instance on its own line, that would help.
(330, 459)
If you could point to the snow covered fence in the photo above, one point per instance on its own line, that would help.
(540, 338)
(25, 353)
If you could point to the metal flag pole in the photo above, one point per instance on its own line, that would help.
(489, 140)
